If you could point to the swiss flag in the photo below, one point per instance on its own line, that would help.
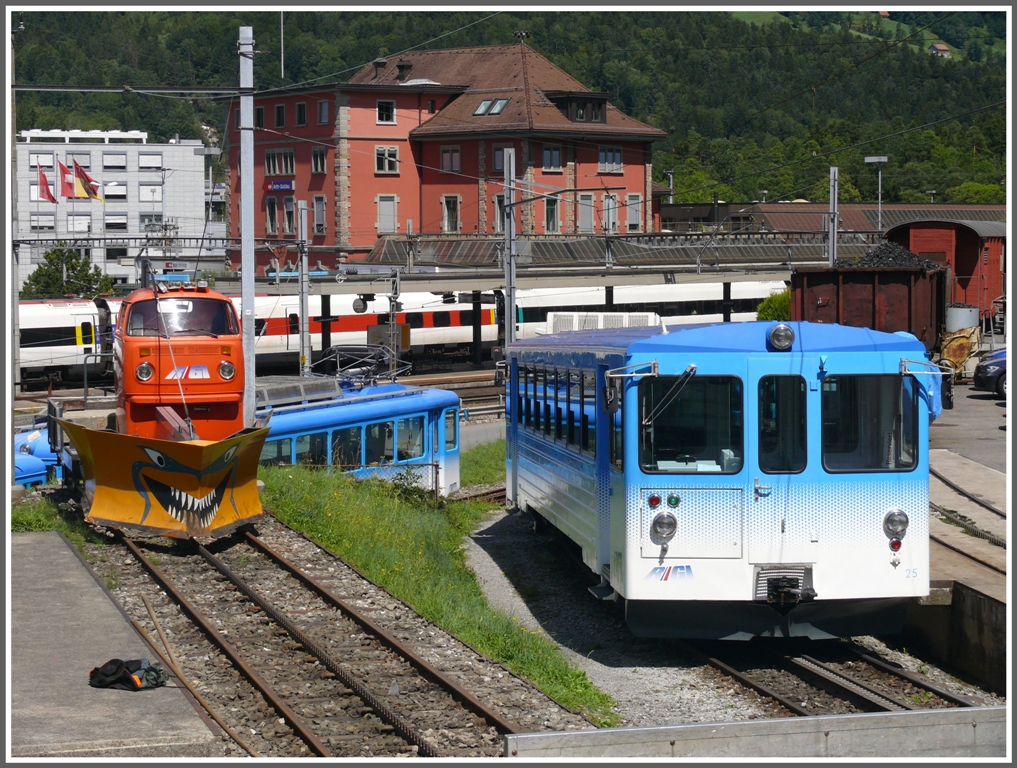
(45, 193)
(66, 181)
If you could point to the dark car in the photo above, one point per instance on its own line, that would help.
(990, 373)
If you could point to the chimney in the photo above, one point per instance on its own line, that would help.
(379, 65)
(404, 67)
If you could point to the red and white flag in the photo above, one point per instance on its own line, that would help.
(66, 181)
(45, 193)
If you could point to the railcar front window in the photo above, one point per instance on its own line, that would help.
(870, 423)
(182, 317)
(782, 424)
(691, 426)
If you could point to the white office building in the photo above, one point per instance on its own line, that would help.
(149, 191)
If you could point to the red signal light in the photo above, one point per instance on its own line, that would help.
(654, 500)
(895, 545)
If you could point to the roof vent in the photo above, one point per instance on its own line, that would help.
(404, 67)
(379, 65)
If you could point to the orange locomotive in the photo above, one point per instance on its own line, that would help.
(180, 461)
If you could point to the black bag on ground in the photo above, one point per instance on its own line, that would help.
(132, 675)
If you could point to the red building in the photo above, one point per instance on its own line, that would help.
(974, 252)
(415, 145)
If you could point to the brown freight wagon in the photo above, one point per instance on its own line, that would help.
(882, 298)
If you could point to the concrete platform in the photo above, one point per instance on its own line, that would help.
(63, 624)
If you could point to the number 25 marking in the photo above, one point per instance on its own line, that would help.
(911, 573)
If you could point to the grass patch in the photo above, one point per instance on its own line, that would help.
(483, 464)
(413, 547)
(45, 514)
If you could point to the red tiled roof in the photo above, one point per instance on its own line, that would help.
(513, 72)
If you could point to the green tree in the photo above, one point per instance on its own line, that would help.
(82, 277)
(776, 306)
(973, 192)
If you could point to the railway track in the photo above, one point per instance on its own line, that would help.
(845, 680)
(342, 685)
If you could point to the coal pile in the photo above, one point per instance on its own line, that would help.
(888, 255)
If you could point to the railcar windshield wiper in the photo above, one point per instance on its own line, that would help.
(676, 389)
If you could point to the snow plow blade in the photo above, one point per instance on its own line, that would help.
(172, 488)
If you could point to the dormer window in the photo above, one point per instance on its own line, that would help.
(581, 106)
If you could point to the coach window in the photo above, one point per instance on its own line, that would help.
(276, 452)
(451, 429)
(441, 319)
(313, 449)
(378, 448)
(560, 398)
(549, 394)
(575, 405)
(538, 399)
(410, 437)
(782, 424)
(415, 319)
(589, 421)
(617, 444)
(346, 445)
(528, 404)
(870, 423)
(690, 424)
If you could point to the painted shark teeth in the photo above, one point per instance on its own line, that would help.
(193, 512)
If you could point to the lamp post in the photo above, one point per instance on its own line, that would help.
(932, 195)
(878, 160)
(764, 193)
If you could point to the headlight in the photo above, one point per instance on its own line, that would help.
(782, 336)
(895, 524)
(25, 448)
(664, 525)
(144, 371)
(227, 370)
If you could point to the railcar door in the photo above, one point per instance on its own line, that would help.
(781, 396)
(446, 450)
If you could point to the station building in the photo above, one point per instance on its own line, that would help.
(415, 145)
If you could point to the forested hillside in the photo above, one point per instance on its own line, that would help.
(751, 101)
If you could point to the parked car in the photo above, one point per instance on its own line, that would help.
(990, 373)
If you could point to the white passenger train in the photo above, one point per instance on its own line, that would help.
(60, 337)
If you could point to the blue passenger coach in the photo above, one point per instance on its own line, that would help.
(734, 479)
(386, 431)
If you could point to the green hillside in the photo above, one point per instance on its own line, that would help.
(750, 100)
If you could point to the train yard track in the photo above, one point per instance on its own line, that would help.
(298, 655)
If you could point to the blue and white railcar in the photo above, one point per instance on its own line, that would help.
(387, 431)
(733, 480)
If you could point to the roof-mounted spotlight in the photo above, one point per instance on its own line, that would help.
(782, 336)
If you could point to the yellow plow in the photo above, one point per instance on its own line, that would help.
(171, 488)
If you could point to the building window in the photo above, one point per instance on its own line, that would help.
(116, 254)
(45, 159)
(279, 162)
(301, 113)
(271, 216)
(586, 213)
(387, 215)
(33, 193)
(84, 159)
(551, 224)
(322, 112)
(498, 106)
(498, 158)
(483, 107)
(114, 190)
(116, 221)
(318, 157)
(319, 214)
(42, 222)
(150, 222)
(610, 160)
(236, 119)
(386, 112)
(580, 112)
(149, 193)
(259, 117)
(430, 106)
(595, 113)
(289, 216)
(610, 213)
(280, 115)
(499, 214)
(150, 161)
(79, 222)
(450, 161)
(386, 159)
(552, 157)
(634, 203)
(114, 161)
(450, 213)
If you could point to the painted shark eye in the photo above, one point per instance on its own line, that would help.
(158, 458)
(229, 454)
